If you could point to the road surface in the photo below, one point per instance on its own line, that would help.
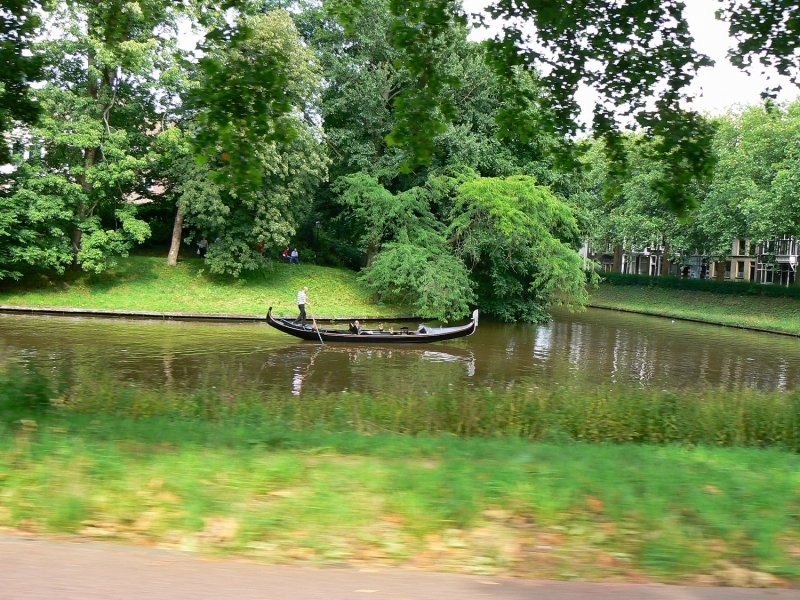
(33, 569)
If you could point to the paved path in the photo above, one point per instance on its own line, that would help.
(39, 570)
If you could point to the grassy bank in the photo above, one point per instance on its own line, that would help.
(485, 482)
(771, 314)
(147, 283)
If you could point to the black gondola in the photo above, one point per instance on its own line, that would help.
(421, 335)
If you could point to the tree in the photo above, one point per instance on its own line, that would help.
(89, 151)
(409, 259)
(755, 191)
(259, 150)
(633, 215)
(636, 56)
(492, 129)
(520, 243)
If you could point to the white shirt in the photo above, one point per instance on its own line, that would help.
(301, 297)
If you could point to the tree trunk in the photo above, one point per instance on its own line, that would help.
(372, 252)
(89, 158)
(616, 266)
(175, 245)
(666, 264)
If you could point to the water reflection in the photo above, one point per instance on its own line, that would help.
(343, 368)
(596, 347)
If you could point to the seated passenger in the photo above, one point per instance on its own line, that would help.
(355, 327)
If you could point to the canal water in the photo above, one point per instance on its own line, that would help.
(596, 347)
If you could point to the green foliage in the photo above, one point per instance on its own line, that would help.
(410, 263)
(88, 153)
(19, 23)
(420, 34)
(631, 211)
(734, 288)
(520, 243)
(766, 32)
(755, 189)
(516, 240)
(432, 282)
(34, 221)
(752, 194)
(383, 216)
(253, 76)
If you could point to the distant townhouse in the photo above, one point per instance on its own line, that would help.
(770, 262)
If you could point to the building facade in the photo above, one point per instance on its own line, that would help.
(771, 262)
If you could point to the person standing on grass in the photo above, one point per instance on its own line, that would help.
(302, 300)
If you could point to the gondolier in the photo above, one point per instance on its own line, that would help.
(302, 300)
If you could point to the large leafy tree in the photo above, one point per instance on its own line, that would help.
(88, 152)
(755, 191)
(253, 130)
(520, 243)
(506, 243)
(491, 129)
(636, 56)
(630, 213)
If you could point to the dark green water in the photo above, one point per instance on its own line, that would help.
(598, 347)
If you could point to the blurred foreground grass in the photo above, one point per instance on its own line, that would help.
(448, 484)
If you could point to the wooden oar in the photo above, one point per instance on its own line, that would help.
(314, 322)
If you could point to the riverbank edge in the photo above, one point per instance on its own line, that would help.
(190, 316)
(667, 315)
(176, 316)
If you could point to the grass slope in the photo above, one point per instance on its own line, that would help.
(147, 283)
(772, 314)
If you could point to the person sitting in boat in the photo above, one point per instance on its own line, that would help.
(355, 327)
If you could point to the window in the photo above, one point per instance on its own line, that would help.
(742, 247)
(740, 270)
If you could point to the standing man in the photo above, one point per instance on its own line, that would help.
(302, 300)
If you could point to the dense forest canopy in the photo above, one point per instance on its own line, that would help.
(378, 136)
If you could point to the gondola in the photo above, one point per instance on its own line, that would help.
(403, 335)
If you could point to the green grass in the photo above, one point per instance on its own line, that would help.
(147, 283)
(757, 312)
(439, 502)
(507, 482)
